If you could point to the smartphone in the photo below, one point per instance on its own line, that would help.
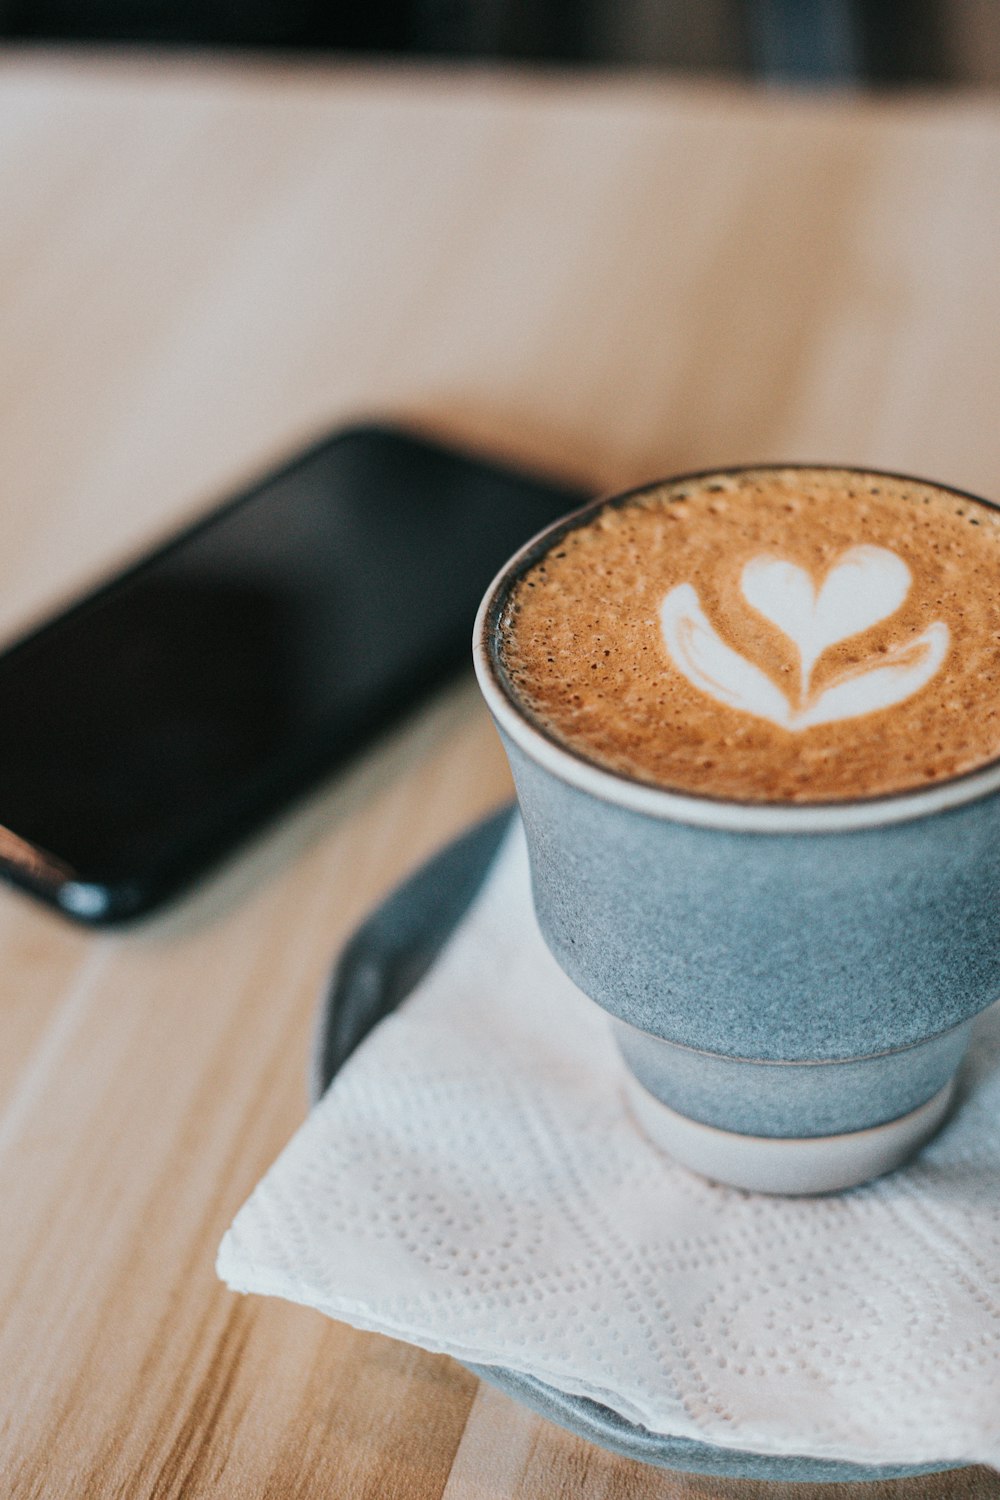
(161, 719)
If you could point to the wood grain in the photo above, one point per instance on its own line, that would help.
(200, 265)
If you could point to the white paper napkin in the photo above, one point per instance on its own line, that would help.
(473, 1183)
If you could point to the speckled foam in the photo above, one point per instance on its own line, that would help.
(583, 651)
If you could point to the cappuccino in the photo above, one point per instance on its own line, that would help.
(767, 635)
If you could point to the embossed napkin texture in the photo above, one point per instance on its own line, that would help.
(473, 1183)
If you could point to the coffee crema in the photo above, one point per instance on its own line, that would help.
(768, 635)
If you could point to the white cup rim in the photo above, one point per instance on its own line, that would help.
(698, 809)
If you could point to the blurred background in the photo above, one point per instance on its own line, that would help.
(834, 43)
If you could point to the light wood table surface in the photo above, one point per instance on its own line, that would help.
(202, 264)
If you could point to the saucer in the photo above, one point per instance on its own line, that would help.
(381, 963)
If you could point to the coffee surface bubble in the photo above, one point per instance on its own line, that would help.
(775, 634)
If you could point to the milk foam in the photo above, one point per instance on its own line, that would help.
(773, 634)
(865, 585)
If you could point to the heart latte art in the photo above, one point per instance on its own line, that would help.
(768, 635)
(864, 586)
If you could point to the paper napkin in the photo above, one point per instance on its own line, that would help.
(473, 1183)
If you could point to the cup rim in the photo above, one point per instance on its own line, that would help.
(698, 809)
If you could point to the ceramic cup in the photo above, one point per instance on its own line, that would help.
(792, 986)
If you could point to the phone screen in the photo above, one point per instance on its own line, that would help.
(161, 718)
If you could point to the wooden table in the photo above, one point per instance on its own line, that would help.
(200, 265)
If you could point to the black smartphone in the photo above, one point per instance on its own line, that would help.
(158, 721)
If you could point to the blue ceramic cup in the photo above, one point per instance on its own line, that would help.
(792, 986)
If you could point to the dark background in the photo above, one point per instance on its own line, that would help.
(839, 43)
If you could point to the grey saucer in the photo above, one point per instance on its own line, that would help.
(386, 957)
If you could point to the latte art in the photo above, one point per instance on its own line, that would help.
(769, 634)
(864, 586)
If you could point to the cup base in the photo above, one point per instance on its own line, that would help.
(788, 1165)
